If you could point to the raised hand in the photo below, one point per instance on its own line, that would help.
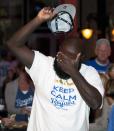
(46, 14)
(67, 64)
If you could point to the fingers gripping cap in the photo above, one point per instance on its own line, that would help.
(63, 22)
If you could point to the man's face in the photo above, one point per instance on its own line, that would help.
(61, 74)
(70, 50)
(103, 52)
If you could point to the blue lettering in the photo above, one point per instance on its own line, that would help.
(52, 100)
(71, 98)
(61, 89)
(71, 90)
(64, 98)
(53, 93)
(59, 96)
(66, 91)
(55, 88)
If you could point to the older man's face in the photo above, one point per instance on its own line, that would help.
(103, 52)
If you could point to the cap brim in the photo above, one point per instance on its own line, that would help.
(71, 9)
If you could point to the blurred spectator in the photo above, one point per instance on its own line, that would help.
(4, 65)
(102, 51)
(11, 75)
(101, 115)
(7, 62)
(19, 96)
(110, 98)
(104, 79)
(101, 63)
(111, 71)
(7, 73)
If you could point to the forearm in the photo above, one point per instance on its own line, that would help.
(71, 66)
(89, 93)
(21, 36)
(17, 42)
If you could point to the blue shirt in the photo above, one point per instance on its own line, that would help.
(111, 120)
(99, 67)
(23, 100)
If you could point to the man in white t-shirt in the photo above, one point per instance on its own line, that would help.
(65, 89)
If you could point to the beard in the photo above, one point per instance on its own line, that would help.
(61, 74)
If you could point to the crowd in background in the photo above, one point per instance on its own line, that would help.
(17, 89)
(104, 117)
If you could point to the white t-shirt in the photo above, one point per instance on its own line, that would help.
(57, 104)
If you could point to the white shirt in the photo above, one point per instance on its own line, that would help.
(57, 104)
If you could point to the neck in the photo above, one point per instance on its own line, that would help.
(102, 62)
(24, 87)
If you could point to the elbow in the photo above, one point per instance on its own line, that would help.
(96, 106)
(97, 102)
(10, 45)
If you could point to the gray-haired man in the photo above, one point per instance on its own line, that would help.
(102, 51)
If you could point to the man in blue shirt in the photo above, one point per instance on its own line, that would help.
(102, 51)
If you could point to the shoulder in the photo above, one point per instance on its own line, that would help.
(12, 85)
(40, 63)
(87, 68)
(41, 58)
(13, 82)
(89, 62)
(89, 72)
(92, 76)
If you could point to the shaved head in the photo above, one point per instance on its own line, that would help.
(70, 47)
(72, 43)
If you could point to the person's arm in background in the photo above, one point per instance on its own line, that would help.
(17, 42)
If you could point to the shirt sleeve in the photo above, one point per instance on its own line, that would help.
(40, 65)
(94, 79)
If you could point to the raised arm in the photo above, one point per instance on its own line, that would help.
(17, 42)
(88, 92)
